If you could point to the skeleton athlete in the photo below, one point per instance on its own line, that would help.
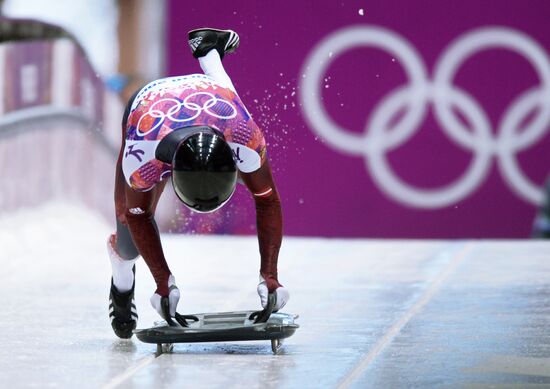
(196, 130)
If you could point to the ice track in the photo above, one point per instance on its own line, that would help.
(372, 313)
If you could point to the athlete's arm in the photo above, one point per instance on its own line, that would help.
(269, 221)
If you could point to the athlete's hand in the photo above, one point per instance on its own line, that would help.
(173, 298)
(282, 293)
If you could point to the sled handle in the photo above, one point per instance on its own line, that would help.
(181, 319)
(263, 315)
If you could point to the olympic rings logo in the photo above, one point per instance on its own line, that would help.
(196, 110)
(381, 135)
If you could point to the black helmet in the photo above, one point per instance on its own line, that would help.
(204, 174)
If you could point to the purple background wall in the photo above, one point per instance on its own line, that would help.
(331, 191)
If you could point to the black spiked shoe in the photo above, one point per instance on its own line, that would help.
(203, 40)
(122, 312)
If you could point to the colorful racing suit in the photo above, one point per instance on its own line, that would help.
(168, 104)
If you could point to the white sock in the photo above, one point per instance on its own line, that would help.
(123, 276)
(211, 65)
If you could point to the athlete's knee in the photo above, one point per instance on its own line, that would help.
(125, 246)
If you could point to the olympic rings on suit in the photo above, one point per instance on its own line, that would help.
(190, 107)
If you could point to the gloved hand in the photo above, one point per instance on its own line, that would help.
(282, 294)
(173, 298)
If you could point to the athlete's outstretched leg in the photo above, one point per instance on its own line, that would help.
(209, 46)
(211, 65)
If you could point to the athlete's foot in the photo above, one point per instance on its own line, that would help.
(203, 40)
(122, 312)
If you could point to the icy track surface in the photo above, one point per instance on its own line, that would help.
(372, 313)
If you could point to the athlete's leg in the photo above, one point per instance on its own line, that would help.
(123, 256)
(211, 65)
(210, 45)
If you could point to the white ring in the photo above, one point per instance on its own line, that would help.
(428, 198)
(325, 52)
(466, 46)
